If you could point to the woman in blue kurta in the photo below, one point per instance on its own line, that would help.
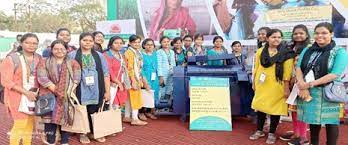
(217, 50)
(149, 73)
(318, 65)
(95, 81)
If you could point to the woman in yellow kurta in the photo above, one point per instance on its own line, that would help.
(273, 67)
(134, 64)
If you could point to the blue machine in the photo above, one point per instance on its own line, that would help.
(235, 72)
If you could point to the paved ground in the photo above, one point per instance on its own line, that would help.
(169, 130)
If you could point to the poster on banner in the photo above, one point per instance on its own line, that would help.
(209, 111)
(122, 28)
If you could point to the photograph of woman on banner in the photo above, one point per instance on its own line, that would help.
(171, 15)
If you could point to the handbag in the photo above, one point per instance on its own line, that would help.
(25, 105)
(80, 123)
(45, 104)
(336, 92)
(106, 122)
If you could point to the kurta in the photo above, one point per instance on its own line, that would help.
(216, 62)
(150, 67)
(9, 79)
(269, 95)
(319, 110)
(134, 94)
(50, 73)
(117, 73)
(166, 63)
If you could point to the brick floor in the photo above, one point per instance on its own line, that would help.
(169, 130)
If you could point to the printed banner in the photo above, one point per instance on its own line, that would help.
(122, 28)
(210, 104)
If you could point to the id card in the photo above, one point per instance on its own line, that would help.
(153, 76)
(262, 78)
(89, 80)
(310, 76)
(31, 81)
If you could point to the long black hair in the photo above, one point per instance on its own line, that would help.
(25, 37)
(145, 41)
(112, 40)
(304, 43)
(267, 29)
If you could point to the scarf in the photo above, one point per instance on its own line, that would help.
(283, 54)
(125, 76)
(61, 78)
(320, 64)
(98, 65)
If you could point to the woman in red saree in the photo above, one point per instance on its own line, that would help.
(171, 15)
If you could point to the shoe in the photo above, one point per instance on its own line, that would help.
(258, 134)
(84, 139)
(298, 141)
(287, 136)
(138, 123)
(142, 116)
(150, 115)
(271, 139)
(102, 139)
(127, 119)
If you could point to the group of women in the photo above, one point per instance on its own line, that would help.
(279, 66)
(94, 71)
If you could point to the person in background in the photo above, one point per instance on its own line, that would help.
(16, 44)
(18, 81)
(300, 40)
(261, 36)
(134, 61)
(150, 74)
(62, 34)
(165, 70)
(198, 49)
(180, 53)
(52, 74)
(273, 67)
(218, 49)
(317, 66)
(187, 39)
(118, 71)
(94, 87)
(98, 40)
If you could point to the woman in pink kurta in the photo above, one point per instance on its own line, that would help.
(171, 15)
(12, 80)
(117, 68)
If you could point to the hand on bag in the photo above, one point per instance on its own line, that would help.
(161, 81)
(120, 86)
(31, 95)
(303, 94)
(147, 87)
(302, 85)
(106, 96)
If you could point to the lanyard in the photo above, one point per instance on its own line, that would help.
(87, 61)
(313, 62)
(32, 65)
(168, 56)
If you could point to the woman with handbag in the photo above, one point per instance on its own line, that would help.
(317, 66)
(118, 71)
(17, 76)
(94, 87)
(273, 67)
(55, 75)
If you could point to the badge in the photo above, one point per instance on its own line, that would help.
(310, 76)
(89, 80)
(262, 78)
(153, 76)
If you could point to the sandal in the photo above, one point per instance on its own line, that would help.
(84, 139)
(102, 139)
(138, 123)
(142, 116)
(150, 115)
(271, 139)
(127, 119)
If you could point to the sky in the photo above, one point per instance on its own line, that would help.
(7, 7)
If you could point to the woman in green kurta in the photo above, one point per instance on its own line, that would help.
(318, 65)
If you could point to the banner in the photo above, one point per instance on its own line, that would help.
(210, 104)
(232, 19)
(122, 28)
